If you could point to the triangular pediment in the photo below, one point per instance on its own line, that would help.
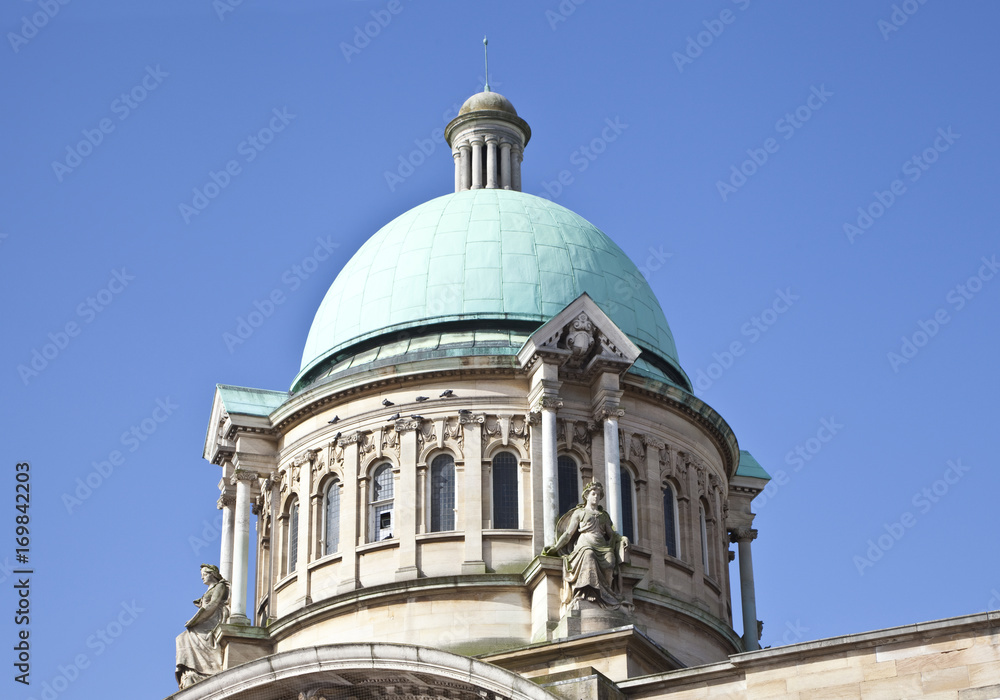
(581, 339)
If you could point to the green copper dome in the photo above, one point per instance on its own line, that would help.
(484, 259)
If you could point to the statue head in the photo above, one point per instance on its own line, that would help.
(210, 573)
(593, 486)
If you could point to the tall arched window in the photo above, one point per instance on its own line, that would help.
(703, 527)
(628, 504)
(331, 517)
(505, 491)
(380, 506)
(442, 493)
(293, 536)
(670, 519)
(569, 483)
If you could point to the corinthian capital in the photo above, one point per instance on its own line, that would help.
(608, 411)
(244, 475)
(742, 534)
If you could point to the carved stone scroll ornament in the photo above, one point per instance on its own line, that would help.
(198, 656)
(742, 534)
(580, 335)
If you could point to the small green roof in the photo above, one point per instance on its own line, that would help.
(751, 467)
(251, 402)
(480, 257)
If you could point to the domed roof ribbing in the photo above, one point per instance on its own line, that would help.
(482, 257)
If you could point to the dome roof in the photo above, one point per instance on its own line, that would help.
(485, 258)
(487, 100)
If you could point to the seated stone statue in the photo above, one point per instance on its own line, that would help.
(592, 553)
(198, 657)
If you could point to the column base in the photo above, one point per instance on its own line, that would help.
(407, 573)
(473, 567)
(239, 620)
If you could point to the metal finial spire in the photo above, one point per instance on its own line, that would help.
(486, 54)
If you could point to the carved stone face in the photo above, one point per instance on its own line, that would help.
(207, 575)
(594, 496)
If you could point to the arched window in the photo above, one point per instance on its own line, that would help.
(331, 517)
(670, 519)
(380, 506)
(442, 493)
(505, 491)
(293, 536)
(703, 527)
(569, 483)
(628, 504)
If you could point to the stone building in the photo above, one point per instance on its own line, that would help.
(478, 362)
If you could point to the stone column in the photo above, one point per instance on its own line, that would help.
(548, 405)
(472, 494)
(465, 166)
(404, 507)
(275, 504)
(477, 164)
(491, 162)
(743, 536)
(353, 514)
(241, 547)
(515, 168)
(226, 503)
(457, 156)
(612, 467)
(505, 165)
(303, 597)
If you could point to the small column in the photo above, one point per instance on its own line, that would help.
(550, 474)
(457, 157)
(515, 168)
(353, 511)
(612, 465)
(748, 602)
(464, 166)
(305, 463)
(491, 162)
(241, 547)
(405, 515)
(226, 503)
(274, 504)
(472, 517)
(477, 164)
(505, 165)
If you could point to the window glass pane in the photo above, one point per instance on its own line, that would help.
(627, 527)
(669, 523)
(442, 493)
(380, 525)
(332, 534)
(382, 486)
(569, 484)
(505, 491)
(704, 538)
(293, 536)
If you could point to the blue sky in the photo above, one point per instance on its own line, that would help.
(811, 188)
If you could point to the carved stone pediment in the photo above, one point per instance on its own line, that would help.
(582, 340)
